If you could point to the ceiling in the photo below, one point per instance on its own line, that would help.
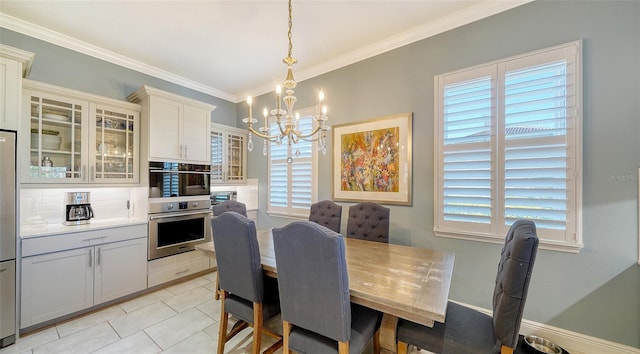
(234, 48)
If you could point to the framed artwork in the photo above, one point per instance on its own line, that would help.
(372, 160)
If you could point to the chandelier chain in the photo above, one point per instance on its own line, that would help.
(289, 33)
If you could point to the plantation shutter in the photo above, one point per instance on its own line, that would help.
(292, 185)
(507, 148)
(540, 114)
(466, 180)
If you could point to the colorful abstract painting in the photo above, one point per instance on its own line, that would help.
(370, 161)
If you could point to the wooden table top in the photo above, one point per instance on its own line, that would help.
(407, 282)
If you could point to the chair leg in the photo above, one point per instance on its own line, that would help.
(343, 347)
(403, 347)
(217, 292)
(257, 327)
(224, 320)
(376, 342)
(286, 330)
(506, 350)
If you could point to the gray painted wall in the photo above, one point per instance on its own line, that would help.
(63, 67)
(596, 292)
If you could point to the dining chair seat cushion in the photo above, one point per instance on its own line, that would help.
(363, 326)
(243, 309)
(467, 331)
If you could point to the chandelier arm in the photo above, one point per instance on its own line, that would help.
(264, 136)
(305, 136)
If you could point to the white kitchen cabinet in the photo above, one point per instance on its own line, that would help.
(14, 65)
(56, 283)
(86, 138)
(175, 128)
(228, 154)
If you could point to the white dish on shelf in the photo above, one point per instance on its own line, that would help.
(56, 116)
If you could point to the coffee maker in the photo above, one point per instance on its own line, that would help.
(78, 208)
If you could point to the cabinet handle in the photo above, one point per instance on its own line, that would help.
(98, 257)
(83, 173)
(94, 238)
(185, 150)
(90, 258)
(92, 175)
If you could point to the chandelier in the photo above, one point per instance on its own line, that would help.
(288, 127)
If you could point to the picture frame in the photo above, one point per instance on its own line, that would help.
(372, 160)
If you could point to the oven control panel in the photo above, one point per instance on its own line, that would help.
(174, 206)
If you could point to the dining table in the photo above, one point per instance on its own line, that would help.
(402, 282)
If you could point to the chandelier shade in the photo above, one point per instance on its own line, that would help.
(286, 122)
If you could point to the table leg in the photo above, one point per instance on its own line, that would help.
(388, 333)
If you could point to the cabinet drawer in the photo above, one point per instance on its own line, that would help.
(163, 270)
(47, 244)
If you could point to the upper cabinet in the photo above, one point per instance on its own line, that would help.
(74, 137)
(174, 128)
(228, 154)
(14, 65)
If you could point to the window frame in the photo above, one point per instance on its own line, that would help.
(571, 240)
(290, 211)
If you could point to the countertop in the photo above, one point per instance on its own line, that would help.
(56, 229)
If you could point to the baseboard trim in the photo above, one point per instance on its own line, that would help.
(568, 339)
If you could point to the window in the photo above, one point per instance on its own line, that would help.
(293, 186)
(508, 142)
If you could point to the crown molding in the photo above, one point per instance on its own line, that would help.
(460, 18)
(465, 16)
(71, 43)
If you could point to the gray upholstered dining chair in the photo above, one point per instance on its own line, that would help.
(326, 213)
(245, 291)
(317, 314)
(227, 205)
(230, 205)
(466, 331)
(368, 221)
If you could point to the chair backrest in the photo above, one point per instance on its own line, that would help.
(238, 256)
(312, 279)
(326, 213)
(368, 221)
(512, 281)
(230, 205)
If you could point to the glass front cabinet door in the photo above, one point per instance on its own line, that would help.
(78, 138)
(228, 154)
(115, 150)
(57, 134)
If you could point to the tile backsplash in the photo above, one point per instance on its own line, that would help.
(47, 205)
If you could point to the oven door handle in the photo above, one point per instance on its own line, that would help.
(175, 215)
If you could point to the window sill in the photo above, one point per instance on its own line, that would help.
(544, 244)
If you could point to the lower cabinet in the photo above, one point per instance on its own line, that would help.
(60, 283)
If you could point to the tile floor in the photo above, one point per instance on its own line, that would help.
(182, 318)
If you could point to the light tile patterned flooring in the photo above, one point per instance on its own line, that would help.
(182, 318)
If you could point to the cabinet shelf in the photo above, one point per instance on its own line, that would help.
(56, 152)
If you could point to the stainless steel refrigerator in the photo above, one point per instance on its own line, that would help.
(7, 237)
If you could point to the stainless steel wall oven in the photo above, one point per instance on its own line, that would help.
(177, 226)
(173, 179)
